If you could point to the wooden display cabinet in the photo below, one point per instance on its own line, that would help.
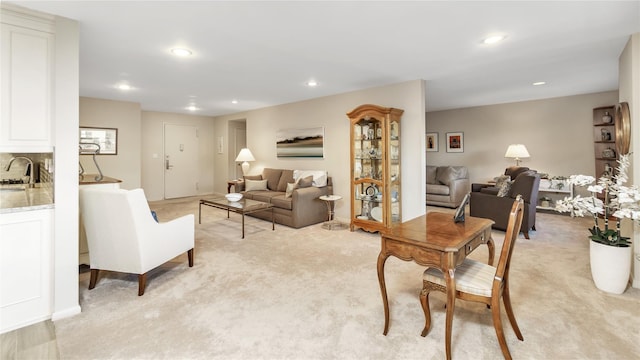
(375, 167)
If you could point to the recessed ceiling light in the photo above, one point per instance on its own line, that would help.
(181, 52)
(538, 83)
(234, 101)
(124, 87)
(192, 108)
(312, 83)
(494, 39)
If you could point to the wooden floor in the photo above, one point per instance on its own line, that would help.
(37, 341)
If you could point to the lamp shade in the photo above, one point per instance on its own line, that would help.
(517, 152)
(245, 155)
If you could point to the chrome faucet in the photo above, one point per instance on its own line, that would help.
(29, 167)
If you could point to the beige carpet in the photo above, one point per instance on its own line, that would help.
(313, 294)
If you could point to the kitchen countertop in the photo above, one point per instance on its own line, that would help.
(18, 197)
(90, 179)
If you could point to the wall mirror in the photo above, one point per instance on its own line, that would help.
(623, 127)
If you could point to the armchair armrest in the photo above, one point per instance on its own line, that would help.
(164, 241)
(458, 188)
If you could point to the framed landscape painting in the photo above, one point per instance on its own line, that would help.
(307, 143)
(432, 141)
(455, 142)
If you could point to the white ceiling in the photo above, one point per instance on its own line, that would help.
(262, 53)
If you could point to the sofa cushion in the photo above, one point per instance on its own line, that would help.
(437, 189)
(254, 185)
(285, 178)
(446, 174)
(282, 202)
(431, 174)
(305, 182)
(289, 191)
(252, 177)
(264, 195)
(273, 177)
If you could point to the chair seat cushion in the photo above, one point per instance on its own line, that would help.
(472, 277)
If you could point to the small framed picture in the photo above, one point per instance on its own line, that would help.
(455, 142)
(432, 141)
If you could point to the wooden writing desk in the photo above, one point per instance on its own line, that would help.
(434, 240)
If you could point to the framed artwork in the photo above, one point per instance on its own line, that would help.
(102, 141)
(432, 141)
(306, 143)
(455, 142)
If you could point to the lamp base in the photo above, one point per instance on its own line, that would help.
(245, 168)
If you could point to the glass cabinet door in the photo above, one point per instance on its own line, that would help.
(394, 171)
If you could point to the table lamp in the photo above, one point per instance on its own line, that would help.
(517, 151)
(245, 156)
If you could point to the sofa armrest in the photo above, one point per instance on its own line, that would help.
(458, 188)
(306, 207)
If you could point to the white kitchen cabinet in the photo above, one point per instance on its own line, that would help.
(27, 52)
(25, 268)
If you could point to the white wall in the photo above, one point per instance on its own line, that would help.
(330, 113)
(558, 133)
(153, 151)
(629, 85)
(65, 246)
(124, 116)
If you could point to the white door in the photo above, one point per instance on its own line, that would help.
(180, 161)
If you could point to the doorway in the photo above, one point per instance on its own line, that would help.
(180, 161)
(237, 141)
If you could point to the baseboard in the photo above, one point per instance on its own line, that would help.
(75, 310)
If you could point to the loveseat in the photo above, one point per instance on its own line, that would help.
(293, 193)
(447, 185)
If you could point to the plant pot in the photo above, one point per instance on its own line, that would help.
(610, 267)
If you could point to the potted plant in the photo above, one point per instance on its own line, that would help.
(610, 200)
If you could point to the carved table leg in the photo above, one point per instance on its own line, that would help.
(382, 258)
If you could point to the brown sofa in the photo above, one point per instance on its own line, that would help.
(447, 185)
(303, 208)
(486, 203)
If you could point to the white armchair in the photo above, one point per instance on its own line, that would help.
(123, 236)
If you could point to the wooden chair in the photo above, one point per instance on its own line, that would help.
(123, 236)
(479, 282)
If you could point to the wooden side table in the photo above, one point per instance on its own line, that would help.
(331, 223)
(233, 183)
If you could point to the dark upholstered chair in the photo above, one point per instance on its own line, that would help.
(486, 204)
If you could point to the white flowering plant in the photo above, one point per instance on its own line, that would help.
(610, 197)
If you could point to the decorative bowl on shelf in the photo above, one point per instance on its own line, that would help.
(233, 197)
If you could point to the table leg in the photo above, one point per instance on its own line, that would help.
(449, 276)
(242, 225)
(229, 187)
(382, 258)
(273, 223)
(200, 213)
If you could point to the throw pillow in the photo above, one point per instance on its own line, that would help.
(500, 179)
(253, 185)
(290, 188)
(305, 182)
(504, 188)
(319, 176)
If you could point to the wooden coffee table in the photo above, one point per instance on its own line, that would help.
(244, 206)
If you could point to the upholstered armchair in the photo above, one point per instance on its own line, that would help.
(123, 236)
(486, 203)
